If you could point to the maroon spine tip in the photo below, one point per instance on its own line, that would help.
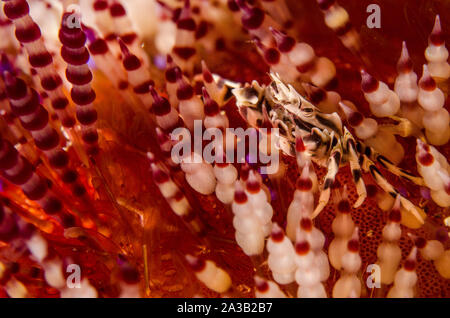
(303, 68)
(98, 47)
(161, 105)
(143, 88)
(28, 34)
(426, 159)
(130, 275)
(240, 197)
(81, 97)
(129, 38)
(131, 62)
(100, 5)
(68, 122)
(187, 24)
(211, 107)
(344, 206)
(353, 246)
(368, 83)
(277, 236)
(184, 90)
(302, 248)
(410, 265)
(232, 5)
(49, 141)
(306, 224)
(160, 176)
(15, 10)
(170, 75)
(427, 83)
(395, 216)
(272, 56)
(60, 103)
(117, 10)
(198, 265)
(436, 37)
(285, 43)
(202, 30)
(355, 119)
(325, 4)
(86, 116)
(207, 76)
(303, 184)
(185, 52)
(51, 82)
(344, 29)
(40, 60)
(420, 242)
(59, 160)
(262, 286)
(253, 19)
(90, 137)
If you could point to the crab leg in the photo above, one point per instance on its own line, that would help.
(391, 167)
(404, 128)
(333, 168)
(355, 168)
(369, 166)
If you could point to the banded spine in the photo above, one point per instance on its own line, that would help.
(124, 29)
(138, 76)
(24, 102)
(19, 171)
(104, 58)
(76, 55)
(28, 34)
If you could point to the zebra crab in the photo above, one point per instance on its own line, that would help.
(327, 141)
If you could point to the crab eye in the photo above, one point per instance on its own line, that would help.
(308, 112)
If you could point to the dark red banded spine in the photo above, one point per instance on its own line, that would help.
(33, 117)
(19, 171)
(186, 36)
(28, 34)
(138, 75)
(122, 25)
(76, 55)
(344, 28)
(104, 59)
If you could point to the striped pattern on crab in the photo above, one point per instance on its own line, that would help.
(326, 140)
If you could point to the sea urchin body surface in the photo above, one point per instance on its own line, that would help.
(224, 148)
